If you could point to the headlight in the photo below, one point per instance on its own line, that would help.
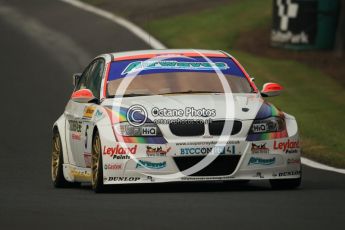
(145, 130)
(272, 124)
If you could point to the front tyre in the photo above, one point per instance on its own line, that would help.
(58, 178)
(286, 183)
(96, 164)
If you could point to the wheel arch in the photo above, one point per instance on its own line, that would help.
(291, 125)
(94, 131)
(60, 126)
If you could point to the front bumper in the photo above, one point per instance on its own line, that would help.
(236, 160)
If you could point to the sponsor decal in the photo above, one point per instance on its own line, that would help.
(151, 165)
(86, 139)
(148, 131)
(291, 173)
(260, 128)
(294, 161)
(175, 65)
(121, 157)
(157, 151)
(113, 166)
(98, 114)
(206, 178)
(80, 174)
(206, 150)
(260, 161)
(260, 148)
(150, 178)
(287, 147)
(207, 143)
(113, 151)
(87, 159)
(88, 112)
(122, 179)
(75, 126)
(76, 136)
(259, 175)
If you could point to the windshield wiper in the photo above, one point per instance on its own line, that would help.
(190, 91)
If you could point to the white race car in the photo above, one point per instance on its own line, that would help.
(172, 116)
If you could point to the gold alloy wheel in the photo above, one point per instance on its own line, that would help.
(56, 151)
(96, 152)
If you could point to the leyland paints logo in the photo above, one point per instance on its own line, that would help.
(287, 147)
(119, 150)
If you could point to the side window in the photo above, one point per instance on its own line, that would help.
(83, 79)
(94, 80)
(92, 77)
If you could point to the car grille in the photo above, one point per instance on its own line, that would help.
(198, 129)
(221, 166)
(190, 129)
(216, 127)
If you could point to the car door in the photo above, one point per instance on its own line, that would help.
(79, 125)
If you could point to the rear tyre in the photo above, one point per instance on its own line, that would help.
(286, 183)
(96, 164)
(58, 178)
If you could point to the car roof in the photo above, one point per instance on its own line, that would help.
(145, 54)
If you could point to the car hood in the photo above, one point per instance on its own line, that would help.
(246, 106)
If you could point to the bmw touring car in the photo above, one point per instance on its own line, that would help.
(159, 116)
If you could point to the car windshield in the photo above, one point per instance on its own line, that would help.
(175, 76)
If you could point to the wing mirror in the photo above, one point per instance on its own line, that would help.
(76, 78)
(271, 90)
(84, 96)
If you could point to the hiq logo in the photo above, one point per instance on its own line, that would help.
(149, 131)
(260, 127)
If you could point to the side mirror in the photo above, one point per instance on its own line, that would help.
(271, 90)
(84, 96)
(76, 78)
